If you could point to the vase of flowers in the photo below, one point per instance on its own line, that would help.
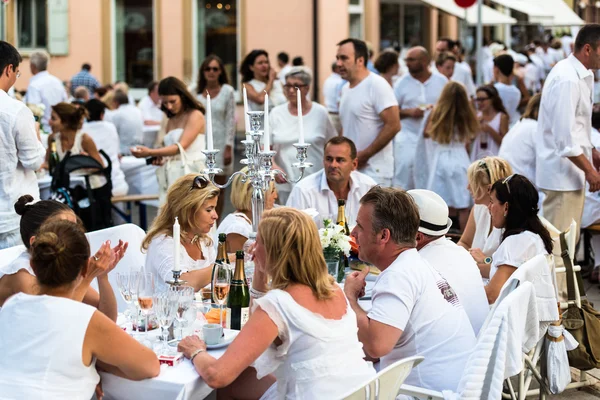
(335, 245)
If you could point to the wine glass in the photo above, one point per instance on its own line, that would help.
(220, 286)
(165, 308)
(127, 284)
(185, 299)
(144, 295)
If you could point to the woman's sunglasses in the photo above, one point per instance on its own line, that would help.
(200, 182)
(213, 69)
(506, 181)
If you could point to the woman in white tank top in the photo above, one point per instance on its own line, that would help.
(479, 236)
(494, 123)
(301, 339)
(185, 132)
(74, 335)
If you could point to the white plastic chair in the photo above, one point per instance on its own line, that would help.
(133, 259)
(386, 384)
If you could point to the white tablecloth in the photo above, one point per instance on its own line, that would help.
(45, 182)
(140, 177)
(181, 382)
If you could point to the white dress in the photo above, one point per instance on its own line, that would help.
(483, 239)
(160, 260)
(41, 342)
(516, 250)
(237, 223)
(448, 173)
(96, 180)
(319, 358)
(479, 148)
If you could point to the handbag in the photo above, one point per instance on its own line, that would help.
(170, 171)
(583, 323)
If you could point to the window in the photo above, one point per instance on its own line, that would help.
(401, 24)
(134, 42)
(31, 24)
(356, 11)
(2, 21)
(217, 33)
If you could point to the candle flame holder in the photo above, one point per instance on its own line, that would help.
(176, 281)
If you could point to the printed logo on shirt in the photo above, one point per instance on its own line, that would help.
(448, 293)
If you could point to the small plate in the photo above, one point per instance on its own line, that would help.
(225, 341)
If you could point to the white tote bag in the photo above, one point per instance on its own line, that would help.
(173, 169)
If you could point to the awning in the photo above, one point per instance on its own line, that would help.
(537, 14)
(489, 16)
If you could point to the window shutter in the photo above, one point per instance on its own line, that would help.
(58, 27)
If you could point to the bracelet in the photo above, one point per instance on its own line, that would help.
(195, 353)
(256, 294)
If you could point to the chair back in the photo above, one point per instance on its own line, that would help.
(386, 384)
(133, 259)
(10, 254)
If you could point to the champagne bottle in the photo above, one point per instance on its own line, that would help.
(341, 220)
(53, 160)
(238, 302)
(221, 259)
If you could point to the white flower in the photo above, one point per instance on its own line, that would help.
(333, 237)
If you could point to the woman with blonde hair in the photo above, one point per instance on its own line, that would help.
(451, 127)
(193, 200)
(238, 225)
(479, 236)
(302, 331)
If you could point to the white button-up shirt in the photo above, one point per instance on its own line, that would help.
(48, 90)
(21, 153)
(564, 126)
(128, 121)
(150, 110)
(331, 92)
(314, 192)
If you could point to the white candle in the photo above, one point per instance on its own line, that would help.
(266, 130)
(246, 116)
(177, 245)
(300, 123)
(209, 131)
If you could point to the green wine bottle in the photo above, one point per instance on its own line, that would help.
(53, 160)
(341, 220)
(221, 259)
(238, 302)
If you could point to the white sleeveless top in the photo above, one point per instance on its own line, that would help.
(19, 263)
(488, 243)
(96, 181)
(194, 150)
(319, 358)
(41, 342)
(492, 149)
(236, 222)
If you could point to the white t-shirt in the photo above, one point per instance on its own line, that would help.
(406, 297)
(237, 223)
(518, 148)
(330, 92)
(150, 110)
(318, 129)
(130, 126)
(48, 90)
(160, 259)
(360, 107)
(456, 266)
(515, 250)
(463, 76)
(511, 96)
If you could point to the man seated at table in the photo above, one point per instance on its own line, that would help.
(337, 180)
(458, 271)
(149, 105)
(409, 315)
(128, 121)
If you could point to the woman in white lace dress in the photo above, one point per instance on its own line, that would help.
(301, 340)
(184, 141)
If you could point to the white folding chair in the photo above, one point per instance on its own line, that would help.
(386, 384)
(134, 258)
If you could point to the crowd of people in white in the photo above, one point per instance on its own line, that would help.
(413, 156)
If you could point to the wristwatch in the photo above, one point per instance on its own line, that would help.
(487, 260)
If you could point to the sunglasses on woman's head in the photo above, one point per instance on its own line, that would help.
(200, 182)
(506, 181)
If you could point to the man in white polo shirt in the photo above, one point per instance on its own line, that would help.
(337, 180)
(409, 315)
(458, 271)
(368, 112)
(415, 92)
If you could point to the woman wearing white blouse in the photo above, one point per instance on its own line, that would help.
(318, 129)
(193, 199)
(514, 208)
(213, 81)
(260, 79)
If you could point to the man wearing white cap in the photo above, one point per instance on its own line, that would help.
(455, 265)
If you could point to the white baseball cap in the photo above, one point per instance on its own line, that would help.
(433, 212)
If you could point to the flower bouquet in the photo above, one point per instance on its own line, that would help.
(335, 244)
(37, 110)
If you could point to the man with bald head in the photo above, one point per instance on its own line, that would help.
(462, 73)
(416, 93)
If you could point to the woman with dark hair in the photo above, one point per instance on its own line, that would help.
(184, 141)
(213, 81)
(493, 119)
(260, 79)
(514, 207)
(19, 277)
(60, 340)
(387, 64)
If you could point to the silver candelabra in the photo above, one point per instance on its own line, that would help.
(260, 166)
